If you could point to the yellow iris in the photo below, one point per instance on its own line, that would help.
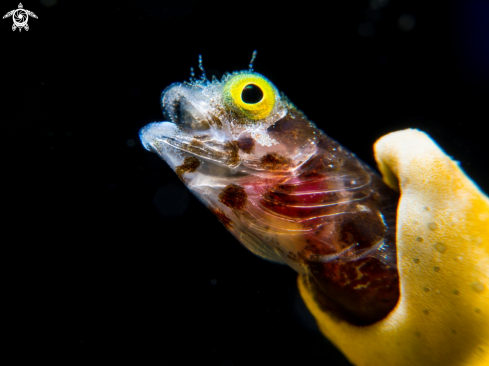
(250, 95)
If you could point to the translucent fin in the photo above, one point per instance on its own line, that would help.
(256, 246)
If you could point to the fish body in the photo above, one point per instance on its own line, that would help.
(284, 189)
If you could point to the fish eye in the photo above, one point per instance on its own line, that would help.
(250, 95)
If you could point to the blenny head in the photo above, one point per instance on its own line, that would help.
(231, 141)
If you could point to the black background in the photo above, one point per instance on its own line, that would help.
(105, 253)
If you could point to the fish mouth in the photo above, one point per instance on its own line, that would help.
(169, 141)
(191, 129)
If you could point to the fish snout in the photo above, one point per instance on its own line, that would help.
(154, 133)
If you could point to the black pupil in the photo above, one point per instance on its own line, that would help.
(251, 94)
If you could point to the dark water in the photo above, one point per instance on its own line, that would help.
(110, 255)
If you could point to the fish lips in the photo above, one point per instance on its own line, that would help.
(154, 133)
(172, 142)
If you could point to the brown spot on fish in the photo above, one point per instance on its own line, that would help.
(233, 151)
(221, 216)
(214, 120)
(233, 196)
(246, 144)
(273, 161)
(190, 164)
(196, 143)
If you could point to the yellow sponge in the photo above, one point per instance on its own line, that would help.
(442, 317)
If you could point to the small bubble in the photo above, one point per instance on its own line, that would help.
(436, 269)
(426, 289)
(419, 238)
(426, 208)
(416, 260)
(440, 247)
(425, 311)
(477, 287)
(432, 226)
(130, 143)
(455, 292)
(213, 282)
(406, 22)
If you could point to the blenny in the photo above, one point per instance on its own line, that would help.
(291, 194)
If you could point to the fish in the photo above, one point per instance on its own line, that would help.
(394, 268)
(285, 190)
